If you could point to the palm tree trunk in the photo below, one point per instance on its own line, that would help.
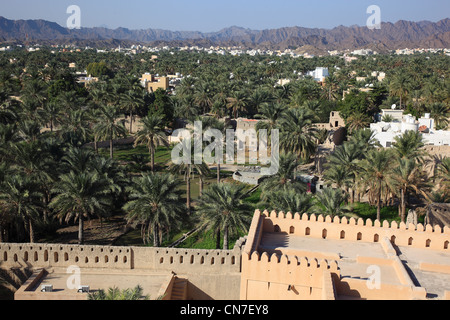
(200, 185)
(156, 243)
(218, 173)
(403, 205)
(111, 152)
(152, 158)
(30, 224)
(131, 122)
(80, 230)
(188, 193)
(225, 239)
(379, 203)
(218, 239)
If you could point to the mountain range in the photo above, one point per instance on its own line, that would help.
(391, 36)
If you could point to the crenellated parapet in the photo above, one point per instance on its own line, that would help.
(343, 228)
(36, 255)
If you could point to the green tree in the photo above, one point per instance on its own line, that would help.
(376, 169)
(223, 210)
(408, 178)
(117, 294)
(331, 202)
(297, 133)
(109, 128)
(80, 196)
(155, 204)
(20, 198)
(152, 135)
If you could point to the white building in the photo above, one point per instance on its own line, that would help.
(386, 132)
(319, 74)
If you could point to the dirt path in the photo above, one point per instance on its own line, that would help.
(94, 232)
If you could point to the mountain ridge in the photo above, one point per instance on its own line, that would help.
(391, 36)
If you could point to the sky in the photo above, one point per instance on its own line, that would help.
(214, 15)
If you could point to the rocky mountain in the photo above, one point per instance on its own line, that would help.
(391, 35)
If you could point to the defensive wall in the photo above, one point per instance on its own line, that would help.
(207, 270)
(301, 274)
(251, 271)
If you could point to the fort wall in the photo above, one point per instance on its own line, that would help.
(422, 237)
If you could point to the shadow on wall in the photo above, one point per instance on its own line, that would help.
(195, 293)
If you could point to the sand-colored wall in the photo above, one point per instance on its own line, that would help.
(212, 274)
(423, 237)
(278, 277)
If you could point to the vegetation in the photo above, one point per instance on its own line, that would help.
(61, 162)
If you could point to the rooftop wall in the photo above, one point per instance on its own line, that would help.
(126, 258)
(286, 277)
(423, 237)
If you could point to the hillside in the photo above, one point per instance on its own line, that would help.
(391, 35)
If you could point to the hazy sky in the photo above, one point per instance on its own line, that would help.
(213, 15)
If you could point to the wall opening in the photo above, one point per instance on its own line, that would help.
(359, 236)
(428, 243)
(35, 256)
(66, 256)
(393, 239)
(307, 231)
(5, 256)
(410, 241)
(106, 259)
(55, 256)
(342, 234)
(445, 245)
(46, 255)
(376, 238)
(276, 228)
(291, 230)
(324, 233)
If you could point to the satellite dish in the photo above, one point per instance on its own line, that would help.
(394, 106)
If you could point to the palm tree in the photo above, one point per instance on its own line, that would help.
(271, 113)
(116, 294)
(52, 114)
(408, 145)
(155, 204)
(376, 169)
(346, 157)
(289, 200)
(408, 176)
(400, 86)
(152, 134)
(131, 101)
(238, 101)
(223, 210)
(297, 133)
(441, 114)
(20, 197)
(331, 202)
(189, 168)
(79, 196)
(109, 128)
(284, 178)
(357, 121)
